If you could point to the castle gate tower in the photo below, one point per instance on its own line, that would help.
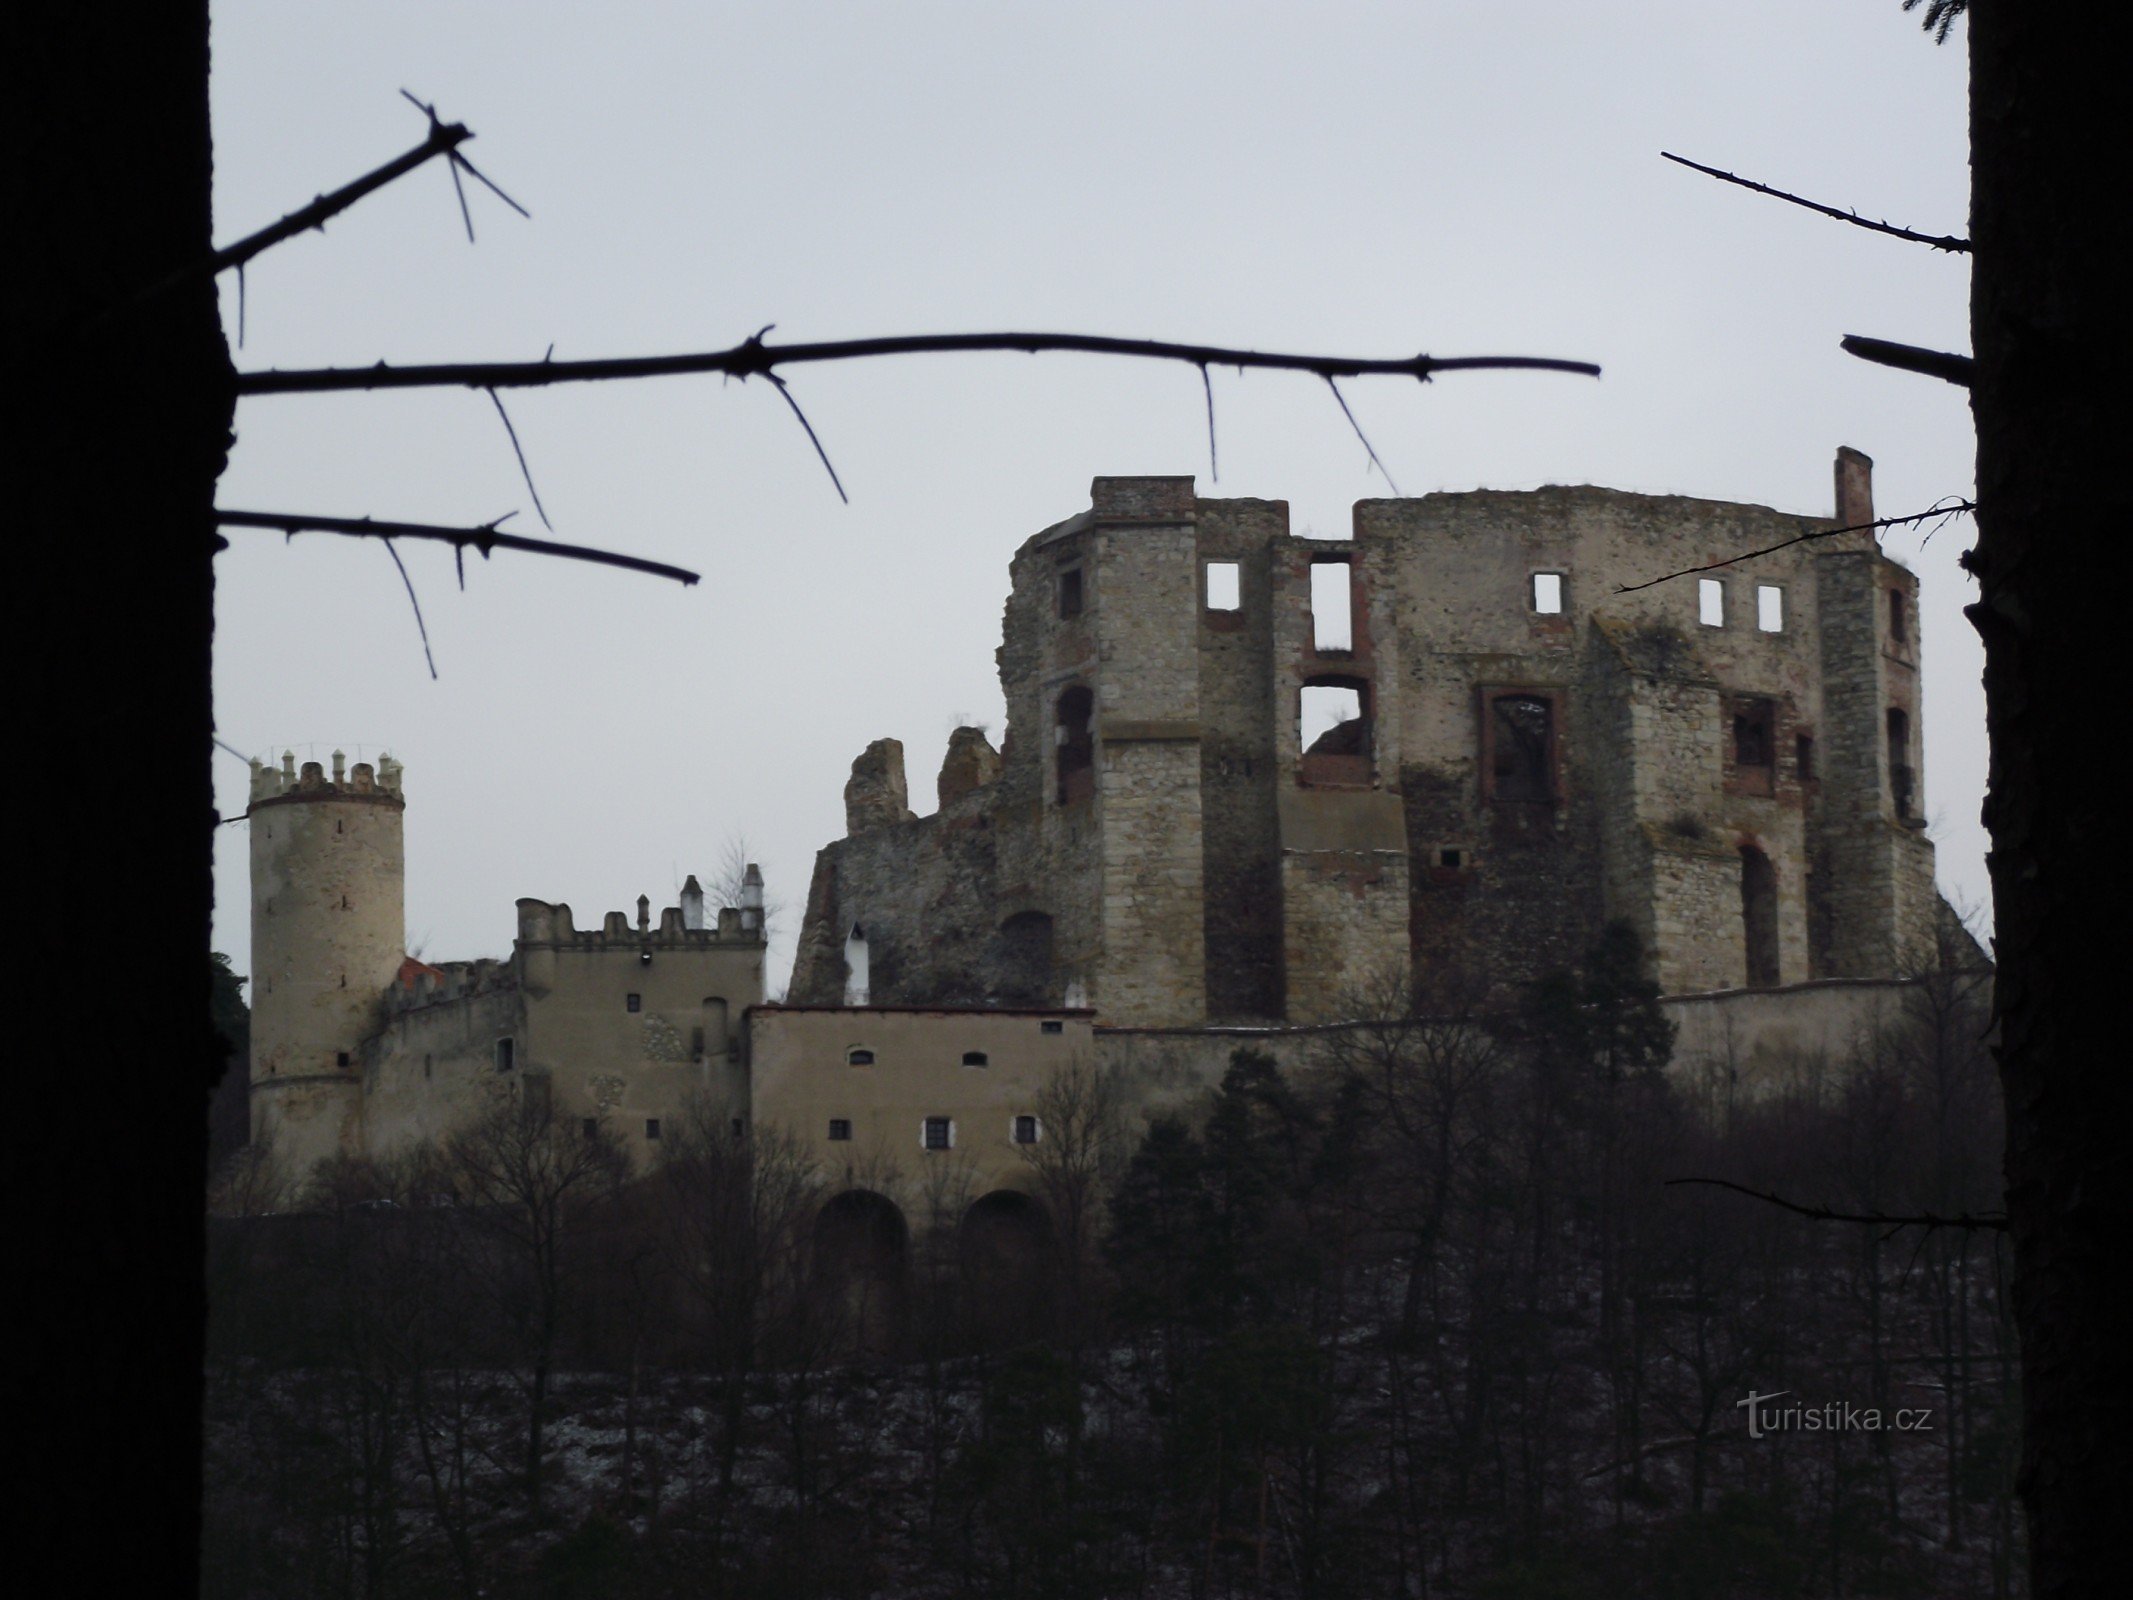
(328, 937)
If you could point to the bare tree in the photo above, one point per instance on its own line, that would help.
(528, 1178)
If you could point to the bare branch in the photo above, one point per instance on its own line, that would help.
(460, 161)
(420, 626)
(1943, 364)
(786, 394)
(484, 538)
(753, 358)
(1992, 1221)
(1955, 510)
(524, 470)
(1214, 465)
(1342, 400)
(1939, 241)
(444, 138)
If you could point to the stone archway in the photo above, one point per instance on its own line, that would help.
(862, 1260)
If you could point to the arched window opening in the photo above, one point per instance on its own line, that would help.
(859, 1056)
(1903, 783)
(1076, 742)
(1522, 750)
(1758, 915)
(857, 987)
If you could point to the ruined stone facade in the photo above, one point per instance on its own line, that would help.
(1179, 850)
(1533, 745)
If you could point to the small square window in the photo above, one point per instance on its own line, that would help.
(1070, 592)
(1025, 1130)
(939, 1133)
(340, 1058)
(651, 1127)
(636, 1002)
(1051, 1027)
(1548, 593)
(1710, 602)
(1451, 858)
(1769, 608)
(840, 1130)
(590, 1127)
(1224, 586)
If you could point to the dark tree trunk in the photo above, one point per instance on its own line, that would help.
(2049, 333)
(119, 429)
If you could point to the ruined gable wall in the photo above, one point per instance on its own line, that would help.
(1535, 883)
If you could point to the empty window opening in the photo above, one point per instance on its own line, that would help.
(1451, 858)
(1896, 619)
(425, 1066)
(840, 1130)
(1902, 781)
(1332, 719)
(340, 1058)
(1225, 586)
(857, 983)
(651, 1127)
(858, 1057)
(636, 1002)
(740, 1127)
(939, 1133)
(1803, 757)
(1758, 915)
(1051, 1027)
(1025, 1130)
(1070, 592)
(1522, 753)
(1752, 734)
(1332, 607)
(590, 1127)
(1769, 608)
(1710, 602)
(975, 1058)
(1076, 744)
(506, 1054)
(1548, 593)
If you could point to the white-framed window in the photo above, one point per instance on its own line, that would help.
(937, 1133)
(840, 1130)
(1548, 593)
(1711, 602)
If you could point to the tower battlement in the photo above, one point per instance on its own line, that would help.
(311, 780)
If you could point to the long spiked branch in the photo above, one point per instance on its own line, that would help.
(754, 358)
(1939, 241)
(1992, 1222)
(1945, 365)
(1952, 509)
(444, 139)
(485, 537)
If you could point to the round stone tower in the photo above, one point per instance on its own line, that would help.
(328, 937)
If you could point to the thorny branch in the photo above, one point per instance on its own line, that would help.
(444, 139)
(485, 538)
(1955, 510)
(1993, 1222)
(421, 627)
(1939, 241)
(754, 358)
(1943, 364)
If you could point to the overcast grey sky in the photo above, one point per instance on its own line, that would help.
(1460, 178)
